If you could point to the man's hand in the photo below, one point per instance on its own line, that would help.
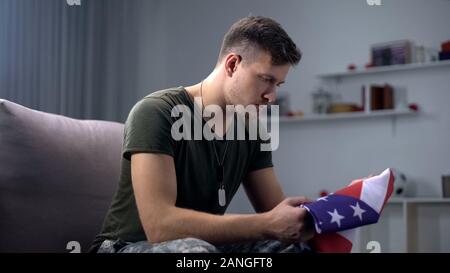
(286, 221)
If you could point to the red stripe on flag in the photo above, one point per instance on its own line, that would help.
(331, 242)
(353, 190)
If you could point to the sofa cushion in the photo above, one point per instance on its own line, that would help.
(57, 178)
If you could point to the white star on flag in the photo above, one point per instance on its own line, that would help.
(336, 217)
(357, 211)
(322, 198)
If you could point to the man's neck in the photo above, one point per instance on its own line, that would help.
(208, 92)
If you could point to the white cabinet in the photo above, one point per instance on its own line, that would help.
(409, 225)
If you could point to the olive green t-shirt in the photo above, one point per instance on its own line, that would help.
(148, 130)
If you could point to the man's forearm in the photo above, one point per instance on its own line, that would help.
(216, 229)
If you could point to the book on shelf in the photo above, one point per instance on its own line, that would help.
(381, 97)
(392, 53)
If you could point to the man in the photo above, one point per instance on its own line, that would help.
(173, 194)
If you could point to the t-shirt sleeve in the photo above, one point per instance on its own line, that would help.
(147, 128)
(260, 159)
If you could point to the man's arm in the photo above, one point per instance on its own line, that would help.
(263, 189)
(155, 188)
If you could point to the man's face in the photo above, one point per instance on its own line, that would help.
(255, 82)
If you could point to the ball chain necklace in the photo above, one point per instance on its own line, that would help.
(220, 168)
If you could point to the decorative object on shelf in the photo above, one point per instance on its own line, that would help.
(344, 108)
(369, 65)
(323, 193)
(446, 185)
(419, 54)
(379, 97)
(351, 67)
(321, 101)
(431, 55)
(400, 97)
(424, 54)
(391, 53)
(295, 114)
(444, 54)
(384, 97)
(413, 106)
(445, 46)
(402, 187)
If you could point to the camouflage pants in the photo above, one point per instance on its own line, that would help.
(193, 245)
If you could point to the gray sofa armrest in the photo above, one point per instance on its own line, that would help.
(57, 177)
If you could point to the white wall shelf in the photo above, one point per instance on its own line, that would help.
(349, 115)
(384, 69)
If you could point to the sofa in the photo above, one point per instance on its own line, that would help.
(57, 178)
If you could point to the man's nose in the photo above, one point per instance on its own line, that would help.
(270, 95)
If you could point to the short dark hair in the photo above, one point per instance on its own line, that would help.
(257, 32)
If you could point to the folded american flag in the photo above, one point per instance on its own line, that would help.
(336, 216)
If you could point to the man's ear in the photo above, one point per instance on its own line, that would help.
(231, 63)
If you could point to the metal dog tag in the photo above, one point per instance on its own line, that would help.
(222, 198)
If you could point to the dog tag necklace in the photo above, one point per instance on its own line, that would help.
(220, 172)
